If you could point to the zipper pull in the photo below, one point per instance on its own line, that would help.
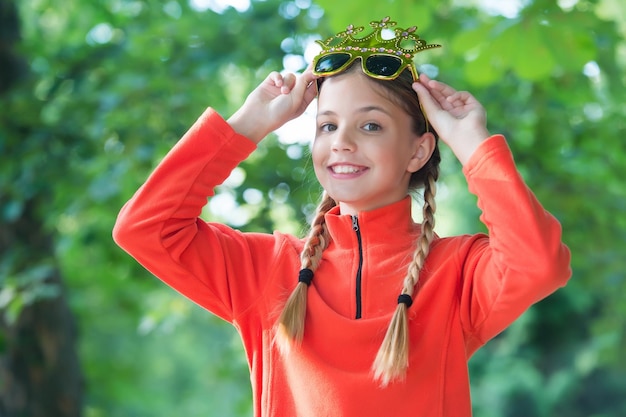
(355, 223)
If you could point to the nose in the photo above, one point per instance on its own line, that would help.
(343, 141)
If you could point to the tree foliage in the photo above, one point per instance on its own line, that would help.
(99, 91)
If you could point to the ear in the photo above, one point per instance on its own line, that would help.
(424, 148)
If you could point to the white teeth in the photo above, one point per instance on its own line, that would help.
(345, 169)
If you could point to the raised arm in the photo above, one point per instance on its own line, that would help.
(523, 259)
(160, 226)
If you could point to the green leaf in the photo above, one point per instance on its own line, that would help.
(532, 60)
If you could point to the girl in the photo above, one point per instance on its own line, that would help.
(383, 314)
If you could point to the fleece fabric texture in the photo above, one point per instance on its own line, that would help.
(471, 288)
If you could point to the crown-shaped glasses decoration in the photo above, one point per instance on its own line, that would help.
(380, 58)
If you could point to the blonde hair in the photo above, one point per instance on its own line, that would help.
(392, 359)
(290, 327)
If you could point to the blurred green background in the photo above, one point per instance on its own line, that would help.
(93, 93)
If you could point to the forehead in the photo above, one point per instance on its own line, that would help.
(352, 89)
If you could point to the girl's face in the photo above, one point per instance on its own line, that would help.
(365, 149)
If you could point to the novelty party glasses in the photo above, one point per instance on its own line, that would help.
(382, 66)
(380, 58)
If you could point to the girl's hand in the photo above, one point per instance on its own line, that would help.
(459, 119)
(277, 100)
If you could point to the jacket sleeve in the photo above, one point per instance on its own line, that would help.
(161, 228)
(522, 261)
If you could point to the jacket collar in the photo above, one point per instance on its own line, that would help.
(385, 224)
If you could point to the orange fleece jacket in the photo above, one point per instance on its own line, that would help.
(471, 288)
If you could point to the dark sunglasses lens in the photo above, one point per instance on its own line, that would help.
(332, 62)
(383, 65)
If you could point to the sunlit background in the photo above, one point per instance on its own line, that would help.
(93, 94)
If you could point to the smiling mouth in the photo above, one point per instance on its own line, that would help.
(346, 169)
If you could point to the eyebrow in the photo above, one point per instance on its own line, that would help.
(364, 109)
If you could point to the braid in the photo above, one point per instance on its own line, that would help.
(392, 359)
(318, 237)
(290, 326)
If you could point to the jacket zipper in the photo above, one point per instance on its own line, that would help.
(355, 227)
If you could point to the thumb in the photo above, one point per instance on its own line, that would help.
(428, 102)
(308, 80)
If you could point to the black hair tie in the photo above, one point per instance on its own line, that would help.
(305, 275)
(405, 299)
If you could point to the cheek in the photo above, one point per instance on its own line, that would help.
(318, 156)
(315, 151)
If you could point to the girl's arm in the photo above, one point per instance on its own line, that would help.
(215, 266)
(523, 259)
(160, 225)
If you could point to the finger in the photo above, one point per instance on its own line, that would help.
(437, 90)
(275, 78)
(308, 77)
(423, 78)
(442, 91)
(289, 81)
(458, 96)
(309, 81)
(310, 91)
(461, 98)
(304, 82)
(428, 102)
